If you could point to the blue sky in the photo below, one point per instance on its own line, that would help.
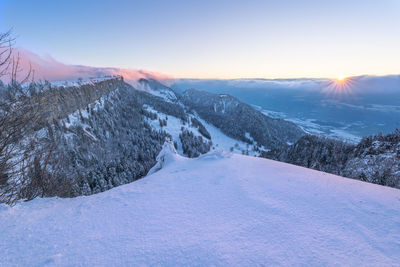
(214, 39)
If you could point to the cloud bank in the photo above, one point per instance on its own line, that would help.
(47, 68)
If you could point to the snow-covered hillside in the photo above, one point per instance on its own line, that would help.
(218, 209)
(219, 139)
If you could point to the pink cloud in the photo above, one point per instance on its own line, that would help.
(47, 68)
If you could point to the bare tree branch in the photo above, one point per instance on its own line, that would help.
(6, 43)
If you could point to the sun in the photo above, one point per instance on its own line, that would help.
(341, 78)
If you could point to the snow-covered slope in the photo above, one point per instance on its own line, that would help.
(218, 138)
(218, 209)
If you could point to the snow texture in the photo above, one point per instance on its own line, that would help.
(218, 209)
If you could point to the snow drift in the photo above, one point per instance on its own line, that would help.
(217, 209)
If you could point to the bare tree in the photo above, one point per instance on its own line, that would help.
(20, 116)
(30, 163)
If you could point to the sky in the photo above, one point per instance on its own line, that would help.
(214, 38)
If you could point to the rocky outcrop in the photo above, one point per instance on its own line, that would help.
(57, 102)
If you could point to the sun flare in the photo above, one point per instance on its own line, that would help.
(341, 86)
(341, 77)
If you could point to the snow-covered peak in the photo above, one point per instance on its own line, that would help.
(156, 88)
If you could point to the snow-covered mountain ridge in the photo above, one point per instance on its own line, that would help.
(100, 133)
(217, 209)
